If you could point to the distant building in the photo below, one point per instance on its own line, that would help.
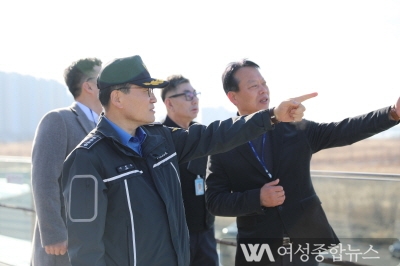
(23, 102)
(25, 99)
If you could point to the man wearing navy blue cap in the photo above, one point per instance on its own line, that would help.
(121, 183)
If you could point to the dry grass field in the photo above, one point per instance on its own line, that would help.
(16, 148)
(371, 155)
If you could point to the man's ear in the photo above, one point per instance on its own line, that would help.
(86, 87)
(168, 103)
(116, 99)
(232, 97)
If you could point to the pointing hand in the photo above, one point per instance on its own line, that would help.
(292, 110)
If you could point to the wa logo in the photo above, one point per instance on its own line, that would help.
(254, 256)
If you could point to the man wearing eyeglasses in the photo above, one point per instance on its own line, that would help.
(121, 184)
(182, 104)
(57, 134)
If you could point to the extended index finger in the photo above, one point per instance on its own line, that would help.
(304, 97)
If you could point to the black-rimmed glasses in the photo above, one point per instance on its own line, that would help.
(189, 95)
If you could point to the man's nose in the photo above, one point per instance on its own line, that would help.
(264, 89)
(153, 98)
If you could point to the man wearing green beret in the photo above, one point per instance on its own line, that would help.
(121, 183)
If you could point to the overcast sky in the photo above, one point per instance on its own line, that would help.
(347, 51)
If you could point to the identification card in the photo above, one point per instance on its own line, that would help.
(199, 186)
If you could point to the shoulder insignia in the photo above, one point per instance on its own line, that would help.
(175, 129)
(88, 143)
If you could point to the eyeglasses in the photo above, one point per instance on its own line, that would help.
(149, 90)
(189, 95)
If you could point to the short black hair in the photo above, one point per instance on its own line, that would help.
(104, 94)
(174, 82)
(78, 72)
(229, 82)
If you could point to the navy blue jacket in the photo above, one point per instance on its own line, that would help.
(125, 209)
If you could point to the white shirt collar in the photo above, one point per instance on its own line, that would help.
(91, 115)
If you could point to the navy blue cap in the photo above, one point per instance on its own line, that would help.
(127, 70)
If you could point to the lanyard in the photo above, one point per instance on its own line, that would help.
(262, 160)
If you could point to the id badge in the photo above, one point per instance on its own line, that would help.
(199, 186)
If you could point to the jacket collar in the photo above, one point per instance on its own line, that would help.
(170, 123)
(107, 130)
(150, 143)
(86, 124)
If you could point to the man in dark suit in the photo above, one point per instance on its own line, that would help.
(266, 183)
(182, 103)
(58, 132)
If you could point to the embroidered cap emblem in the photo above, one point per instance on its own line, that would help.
(154, 82)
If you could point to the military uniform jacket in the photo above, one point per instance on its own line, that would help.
(125, 209)
(234, 179)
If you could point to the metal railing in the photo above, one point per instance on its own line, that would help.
(17, 216)
(363, 209)
(358, 206)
